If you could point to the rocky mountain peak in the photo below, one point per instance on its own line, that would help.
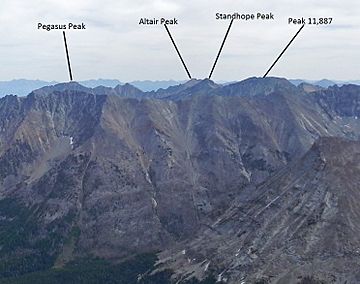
(62, 87)
(207, 83)
(128, 90)
(259, 86)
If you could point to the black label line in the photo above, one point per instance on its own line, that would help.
(222, 45)
(67, 56)
(178, 52)
(281, 54)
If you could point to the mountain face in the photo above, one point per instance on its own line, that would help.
(302, 221)
(207, 169)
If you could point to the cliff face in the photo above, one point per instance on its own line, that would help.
(102, 172)
(300, 222)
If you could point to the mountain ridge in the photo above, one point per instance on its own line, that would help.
(23, 87)
(112, 174)
(192, 87)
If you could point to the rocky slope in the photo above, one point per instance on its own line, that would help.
(117, 172)
(301, 222)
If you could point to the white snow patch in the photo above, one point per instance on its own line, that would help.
(207, 266)
(268, 205)
(246, 174)
(154, 202)
(148, 178)
(311, 125)
(221, 278)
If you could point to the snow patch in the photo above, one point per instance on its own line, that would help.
(308, 122)
(246, 174)
(221, 278)
(207, 266)
(148, 177)
(154, 202)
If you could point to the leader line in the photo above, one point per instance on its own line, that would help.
(222, 45)
(178, 52)
(281, 54)
(67, 57)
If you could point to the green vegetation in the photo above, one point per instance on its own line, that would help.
(22, 249)
(93, 270)
(311, 280)
(14, 225)
(26, 257)
(97, 271)
(209, 280)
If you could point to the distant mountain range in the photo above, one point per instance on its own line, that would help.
(23, 87)
(251, 182)
(324, 82)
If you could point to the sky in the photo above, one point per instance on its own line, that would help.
(115, 46)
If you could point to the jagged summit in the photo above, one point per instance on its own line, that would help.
(24, 87)
(126, 90)
(208, 83)
(194, 88)
(259, 86)
(61, 87)
(250, 87)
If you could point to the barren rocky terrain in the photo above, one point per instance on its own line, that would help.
(249, 182)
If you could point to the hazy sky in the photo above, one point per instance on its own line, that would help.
(116, 46)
